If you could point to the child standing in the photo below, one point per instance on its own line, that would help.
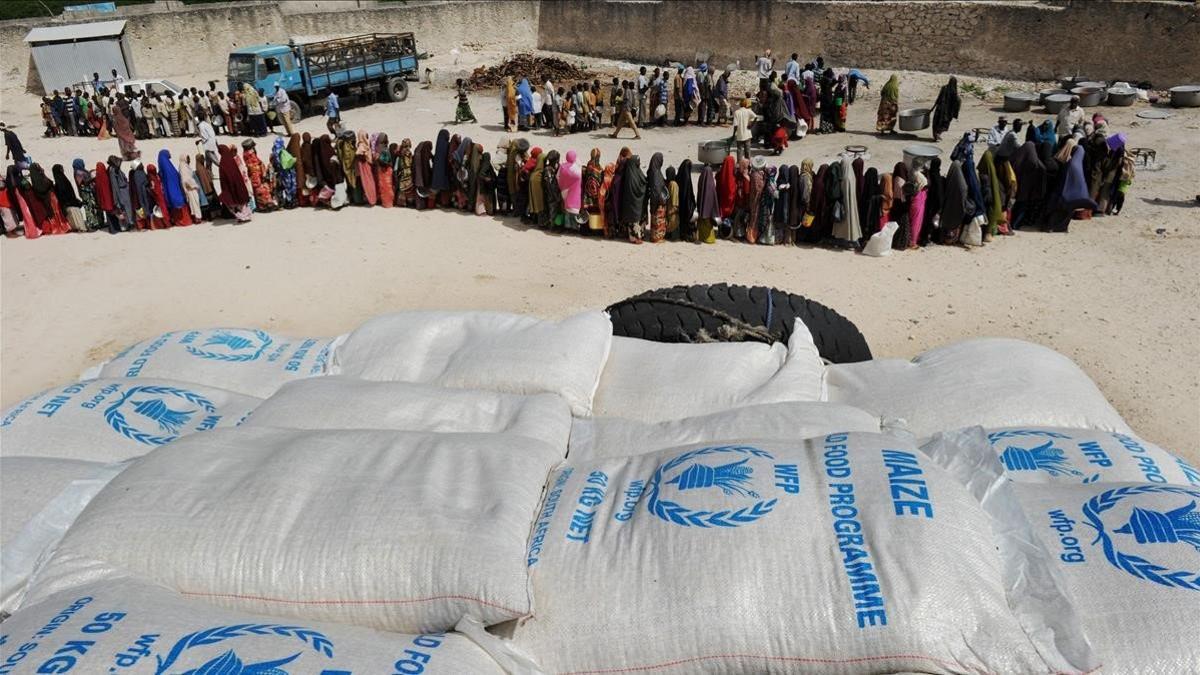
(463, 112)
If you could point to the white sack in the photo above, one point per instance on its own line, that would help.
(245, 360)
(113, 419)
(483, 350)
(771, 557)
(344, 403)
(39, 499)
(880, 243)
(136, 627)
(991, 382)
(596, 437)
(1057, 455)
(393, 530)
(657, 381)
(1130, 553)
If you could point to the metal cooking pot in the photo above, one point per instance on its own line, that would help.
(1102, 86)
(1050, 92)
(712, 152)
(1088, 96)
(1121, 96)
(914, 119)
(1186, 96)
(1056, 102)
(919, 155)
(1018, 101)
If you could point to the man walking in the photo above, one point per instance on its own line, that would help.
(622, 109)
(283, 108)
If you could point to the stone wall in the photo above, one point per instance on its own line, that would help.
(1133, 40)
(184, 42)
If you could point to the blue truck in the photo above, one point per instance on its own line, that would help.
(359, 66)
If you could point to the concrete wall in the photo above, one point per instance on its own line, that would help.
(1132, 40)
(179, 41)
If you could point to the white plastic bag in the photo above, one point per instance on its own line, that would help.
(111, 419)
(493, 351)
(132, 626)
(344, 403)
(394, 530)
(880, 243)
(972, 232)
(246, 360)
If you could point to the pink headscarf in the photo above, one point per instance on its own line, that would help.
(570, 183)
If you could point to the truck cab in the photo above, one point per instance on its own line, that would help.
(263, 66)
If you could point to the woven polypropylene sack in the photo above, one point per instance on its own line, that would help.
(344, 403)
(29, 483)
(245, 360)
(989, 382)
(832, 555)
(1130, 553)
(1058, 455)
(393, 530)
(493, 351)
(112, 419)
(658, 381)
(596, 437)
(128, 626)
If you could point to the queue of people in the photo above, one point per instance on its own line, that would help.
(1042, 181)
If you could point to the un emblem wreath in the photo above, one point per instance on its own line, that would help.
(676, 513)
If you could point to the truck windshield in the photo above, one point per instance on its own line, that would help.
(241, 67)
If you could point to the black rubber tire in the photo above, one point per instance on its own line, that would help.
(733, 313)
(396, 89)
(297, 113)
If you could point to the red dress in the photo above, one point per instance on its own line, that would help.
(159, 214)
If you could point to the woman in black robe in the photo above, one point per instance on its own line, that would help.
(423, 174)
(633, 199)
(872, 202)
(441, 180)
(945, 108)
(687, 201)
(933, 202)
(835, 200)
(797, 196)
(550, 193)
(1031, 183)
(816, 206)
(957, 207)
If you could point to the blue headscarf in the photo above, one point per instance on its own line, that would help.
(524, 98)
(172, 185)
(965, 151)
(854, 74)
(78, 165)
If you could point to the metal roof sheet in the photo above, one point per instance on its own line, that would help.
(76, 31)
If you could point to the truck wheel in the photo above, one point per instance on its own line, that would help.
(396, 88)
(730, 313)
(297, 113)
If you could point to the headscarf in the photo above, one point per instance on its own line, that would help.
(461, 152)
(995, 206)
(1008, 145)
(633, 191)
(104, 195)
(1031, 173)
(441, 160)
(296, 148)
(331, 170)
(956, 202)
(852, 226)
(536, 187)
(524, 98)
(687, 197)
(233, 189)
(706, 200)
(172, 184)
(63, 188)
(1074, 193)
(656, 188)
(423, 167)
(726, 182)
(1116, 142)
(933, 196)
(1068, 148)
(203, 174)
(891, 90)
(795, 204)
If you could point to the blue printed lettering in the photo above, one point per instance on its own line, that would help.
(787, 478)
(1095, 454)
(413, 661)
(592, 496)
(128, 657)
(1064, 526)
(903, 480)
(543, 522)
(66, 656)
(869, 603)
(632, 494)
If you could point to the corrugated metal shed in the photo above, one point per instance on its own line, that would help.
(67, 55)
(76, 31)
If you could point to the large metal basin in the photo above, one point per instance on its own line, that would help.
(1088, 96)
(919, 155)
(712, 152)
(1056, 102)
(1186, 96)
(1121, 96)
(1018, 101)
(914, 119)
(1050, 92)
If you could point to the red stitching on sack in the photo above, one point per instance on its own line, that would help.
(286, 601)
(799, 659)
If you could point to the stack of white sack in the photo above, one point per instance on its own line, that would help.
(337, 402)
(246, 360)
(596, 437)
(400, 531)
(1128, 552)
(113, 419)
(657, 381)
(492, 351)
(990, 382)
(832, 555)
(131, 626)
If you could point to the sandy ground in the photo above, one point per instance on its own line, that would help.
(1118, 295)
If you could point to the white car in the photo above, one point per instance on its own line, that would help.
(135, 87)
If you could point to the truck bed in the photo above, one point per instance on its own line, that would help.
(332, 63)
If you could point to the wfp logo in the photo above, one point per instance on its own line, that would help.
(158, 415)
(228, 662)
(232, 345)
(714, 474)
(1035, 456)
(1142, 540)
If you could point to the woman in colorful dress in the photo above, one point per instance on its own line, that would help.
(260, 184)
(86, 183)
